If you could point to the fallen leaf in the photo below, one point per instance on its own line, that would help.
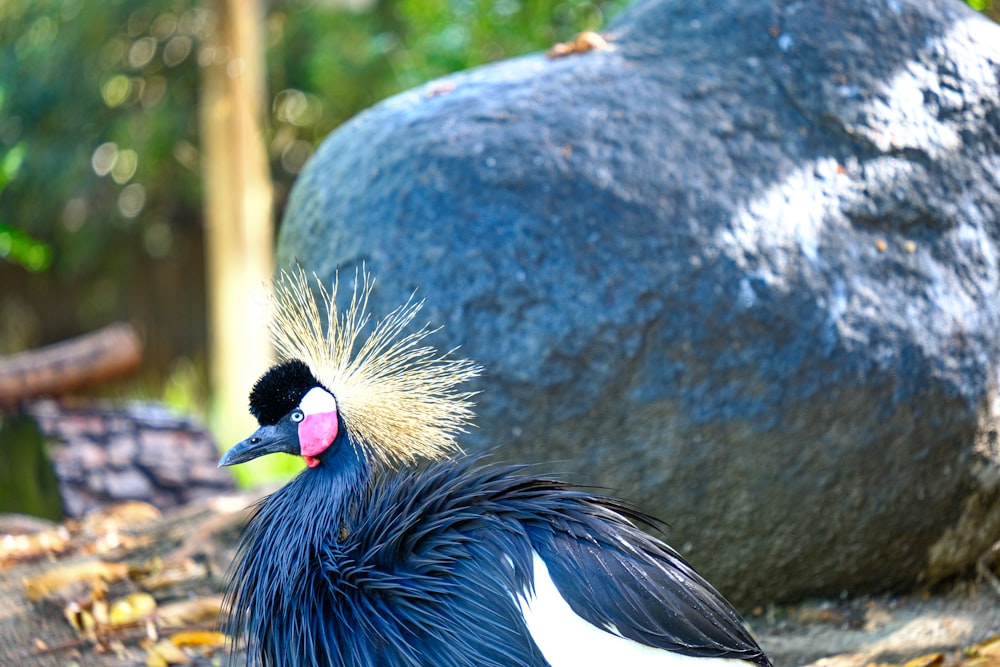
(165, 652)
(17, 548)
(125, 515)
(50, 582)
(80, 618)
(154, 660)
(929, 660)
(199, 638)
(441, 89)
(131, 608)
(985, 654)
(189, 612)
(585, 41)
(100, 609)
(158, 574)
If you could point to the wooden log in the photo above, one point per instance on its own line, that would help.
(112, 352)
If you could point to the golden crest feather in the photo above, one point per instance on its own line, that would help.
(397, 397)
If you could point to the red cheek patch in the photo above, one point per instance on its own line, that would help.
(316, 433)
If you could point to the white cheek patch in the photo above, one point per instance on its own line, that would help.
(317, 401)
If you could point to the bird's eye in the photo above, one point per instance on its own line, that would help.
(297, 416)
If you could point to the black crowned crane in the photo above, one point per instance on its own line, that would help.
(386, 552)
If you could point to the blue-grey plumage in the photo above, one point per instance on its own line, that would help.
(436, 565)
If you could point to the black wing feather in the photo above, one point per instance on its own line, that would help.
(647, 592)
(609, 571)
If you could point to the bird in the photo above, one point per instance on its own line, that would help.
(391, 548)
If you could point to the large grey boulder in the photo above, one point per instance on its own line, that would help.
(742, 268)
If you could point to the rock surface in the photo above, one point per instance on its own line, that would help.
(741, 268)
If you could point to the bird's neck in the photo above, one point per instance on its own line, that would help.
(337, 481)
(315, 505)
(286, 547)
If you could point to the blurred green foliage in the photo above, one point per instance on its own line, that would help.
(15, 245)
(28, 483)
(989, 7)
(98, 122)
(100, 100)
(100, 192)
(19, 248)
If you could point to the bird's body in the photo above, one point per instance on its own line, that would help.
(453, 563)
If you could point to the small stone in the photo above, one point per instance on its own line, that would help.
(127, 485)
(121, 450)
(75, 427)
(162, 442)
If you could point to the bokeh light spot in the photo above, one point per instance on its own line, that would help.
(141, 52)
(295, 155)
(116, 90)
(131, 200)
(177, 50)
(104, 158)
(125, 166)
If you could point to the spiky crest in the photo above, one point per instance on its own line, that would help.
(396, 396)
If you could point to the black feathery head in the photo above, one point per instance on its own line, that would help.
(279, 391)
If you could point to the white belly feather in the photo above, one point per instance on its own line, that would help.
(567, 640)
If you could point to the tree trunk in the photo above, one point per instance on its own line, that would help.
(238, 215)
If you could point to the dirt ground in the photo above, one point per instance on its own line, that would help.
(180, 560)
(882, 629)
